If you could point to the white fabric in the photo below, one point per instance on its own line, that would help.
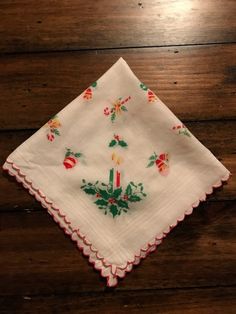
(114, 244)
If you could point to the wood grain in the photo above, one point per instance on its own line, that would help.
(37, 257)
(196, 83)
(82, 24)
(188, 301)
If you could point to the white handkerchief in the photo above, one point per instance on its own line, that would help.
(117, 170)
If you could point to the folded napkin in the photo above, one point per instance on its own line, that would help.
(117, 170)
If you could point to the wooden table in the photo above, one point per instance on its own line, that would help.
(185, 52)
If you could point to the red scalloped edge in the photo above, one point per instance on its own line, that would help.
(107, 270)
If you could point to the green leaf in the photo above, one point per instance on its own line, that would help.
(77, 154)
(143, 86)
(153, 157)
(94, 84)
(113, 116)
(151, 163)
(124, 108)
(122, 204)
(117, 192)
(114, 210)
(67, 154)
(55, 131)
(104, 194)
(134, 198)
(90, 190)
(128, 190)
(112, 143)
(101, 202)
(123, 143)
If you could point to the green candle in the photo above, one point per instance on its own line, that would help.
(111, 177)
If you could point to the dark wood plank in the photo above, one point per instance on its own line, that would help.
(191, 301)
(82, 24)
(37, 258)
(13, 196)
(196, 83)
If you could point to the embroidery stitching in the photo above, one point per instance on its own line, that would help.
(53, 124)
(181, 129)
(116, 109)
(117, 141)
(112, 199)
(88, 93)
(150, 95)
(71, 158)
(161, 161)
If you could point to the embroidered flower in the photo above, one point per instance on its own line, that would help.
(71, 158)
(117, 108)
(161, 161)
(111, 198)
(53, 124)
(181, 129)
(117, 141)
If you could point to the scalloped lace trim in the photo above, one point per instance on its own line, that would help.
(110, 271)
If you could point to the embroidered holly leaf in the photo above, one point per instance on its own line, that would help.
(56, 132)
(113, 116)
(90, 190)
(151, 163)
(134, 198)
(124, 108)
(153, 157)
(187, 133)
(114, 210)
(77, 154)
(101, 202)
(143, 86)
(112, 143)
(122, 143)
(117, 192)
(104, 194)
(94, 84)
(128, 190)
(122, 204)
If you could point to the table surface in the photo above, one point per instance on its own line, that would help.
(185, 52)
